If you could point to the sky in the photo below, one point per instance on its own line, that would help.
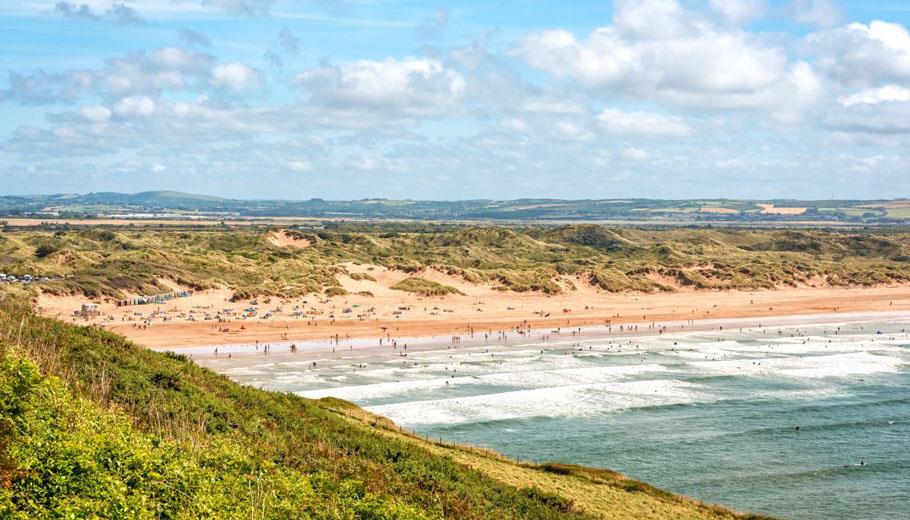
(351, 99)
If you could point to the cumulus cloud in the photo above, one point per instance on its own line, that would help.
(654, 49)
(235, 76)
(73, 11)
(95, 113)
(191, 37)
(667, 93)
(141, 73)
(649, 19)
(134, 107)
(643, 123)
(875, 114)
(635, 154)
(42, 87)
(433, 25)
(118, 13)
(286, 46)
(572, 131)
(820, 13)
(877, 95)
(300, 166)
(860, 54)
(245, 7)
(140, 122)
(150, 73)
(288, 42)
(124, 15)
(412, 85)
(739, 11)
(492, 83)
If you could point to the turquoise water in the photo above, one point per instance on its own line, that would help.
(712, 415)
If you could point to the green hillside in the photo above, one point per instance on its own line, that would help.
(93, 426)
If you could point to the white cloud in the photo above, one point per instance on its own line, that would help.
(649, 19)
(739, 11)
(158, 168)
(141, 73)
(366, 163)
(821, 13)
(235, 76)
(883, 117)
(656, 50)
(170, 68)
(643, 123)
(191, 37)
(515, 123)
(42, 87)
(95, 113)
(413, 85)
(602, 60)
(877, 95)
(636, 154)
(134, 107)
(300, 166)
(860, 54)
(176, 58)
(572, 131)
(117, 12)
(246, 7)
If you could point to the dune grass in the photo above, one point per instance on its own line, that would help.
(424, 287)
(110, 262)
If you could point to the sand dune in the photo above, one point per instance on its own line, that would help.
(281, 239)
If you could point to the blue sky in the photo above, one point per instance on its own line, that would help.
(348, 99)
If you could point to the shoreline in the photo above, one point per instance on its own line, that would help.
(234, 355)
(178, 325)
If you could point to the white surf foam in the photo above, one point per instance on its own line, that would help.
(566, 401)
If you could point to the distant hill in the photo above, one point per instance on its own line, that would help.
(636, 210)
(153, 199)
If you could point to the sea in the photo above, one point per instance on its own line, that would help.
(795, 421)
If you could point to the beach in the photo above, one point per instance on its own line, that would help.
(371, 309)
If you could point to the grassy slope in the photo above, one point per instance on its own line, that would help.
(91, 424)
(106, 262)
(424, 287)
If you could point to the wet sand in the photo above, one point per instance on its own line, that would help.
(327, 352)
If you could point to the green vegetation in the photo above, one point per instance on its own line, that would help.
(108, 262)
(424, 287)
(362, 276)
(92, 425)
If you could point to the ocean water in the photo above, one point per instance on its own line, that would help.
(712, 415)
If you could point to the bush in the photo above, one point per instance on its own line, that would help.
(46, 249)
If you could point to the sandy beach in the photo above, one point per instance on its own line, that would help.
(373, 310)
